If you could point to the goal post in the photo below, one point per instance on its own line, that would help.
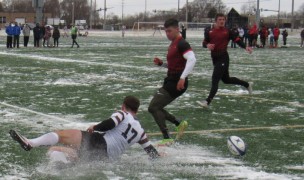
(143, 26)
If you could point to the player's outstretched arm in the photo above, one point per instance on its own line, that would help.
(159, 62)
(148, 147)
(103, 126)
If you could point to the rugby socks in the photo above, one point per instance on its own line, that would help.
(165, 134)
(48, 139)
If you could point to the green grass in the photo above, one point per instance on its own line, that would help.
(91, 82)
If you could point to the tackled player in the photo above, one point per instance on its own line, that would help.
(106, 140)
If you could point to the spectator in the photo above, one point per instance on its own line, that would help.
(17, 32)
(271, 38)
(65, 29)
(241, 33)
(235, 31)
(263, 36)
(285, 34)
(56, 36)
(26, 34)
(302, 38)
(47, 36)
(183, 32)
(42, 33)
(246, 35)
(276, 34)
(253, 34)
(37, 34)
(10, 32)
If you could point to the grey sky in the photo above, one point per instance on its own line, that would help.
(136, 6)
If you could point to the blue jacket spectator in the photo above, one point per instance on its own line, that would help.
(17, 30)
(9, 30)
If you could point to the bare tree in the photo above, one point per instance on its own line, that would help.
(21, 6)
(248, 8)
(81, 10)
(53, 7)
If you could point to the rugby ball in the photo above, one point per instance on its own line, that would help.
(236, 146)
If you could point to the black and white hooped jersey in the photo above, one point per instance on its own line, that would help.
(127, 131)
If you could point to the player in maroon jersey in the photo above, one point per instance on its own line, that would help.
(180, 62)
(216, 40)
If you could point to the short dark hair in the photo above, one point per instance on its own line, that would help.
(131, 103)
(219, 15)
(171, 23)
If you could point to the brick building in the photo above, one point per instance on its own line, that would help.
(7, 17)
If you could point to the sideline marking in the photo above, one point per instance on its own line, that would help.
(248, 96)
(234, 129)
(35, 112)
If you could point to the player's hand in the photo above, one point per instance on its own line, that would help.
(162, 154)
(249, 50)
(180, 85)
(157, 61)
(91, 129)
(210, 46)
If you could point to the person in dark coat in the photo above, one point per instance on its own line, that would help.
(183, 32)
(285, 34)
(302, 38)
(37, 34)
(56, 36)
(17, 32)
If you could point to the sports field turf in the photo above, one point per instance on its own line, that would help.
(45, 89)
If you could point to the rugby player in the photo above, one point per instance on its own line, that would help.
(106, 140)
(180, 62)
(216, 40)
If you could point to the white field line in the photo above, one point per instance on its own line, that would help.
(151, 68)
(52, 59)
(35, 112)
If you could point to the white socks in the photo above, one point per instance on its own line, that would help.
(57, 156)
(48, 139)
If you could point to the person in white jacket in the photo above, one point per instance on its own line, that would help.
(26, 34)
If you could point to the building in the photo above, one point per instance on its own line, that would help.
(234, 18)
(7, 17)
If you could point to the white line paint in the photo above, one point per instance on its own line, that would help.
(35, 112)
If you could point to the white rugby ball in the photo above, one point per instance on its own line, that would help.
(236, 146)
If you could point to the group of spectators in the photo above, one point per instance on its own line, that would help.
(268, 36)
(42, 35)
(13, 32)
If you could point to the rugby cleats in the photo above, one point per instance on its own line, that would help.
(249, 89)
(180, 129)
(21, 140)
(203, 103)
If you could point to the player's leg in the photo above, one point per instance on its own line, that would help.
(160, 100)
(232, 80)
(216, 77)
(67, 137)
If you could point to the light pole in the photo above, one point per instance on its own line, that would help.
(187, 14)
(145, 10)
(91, 14)
(279, 14)
(258, 14)
(73, 12)
(105, 15)
(292, 17)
